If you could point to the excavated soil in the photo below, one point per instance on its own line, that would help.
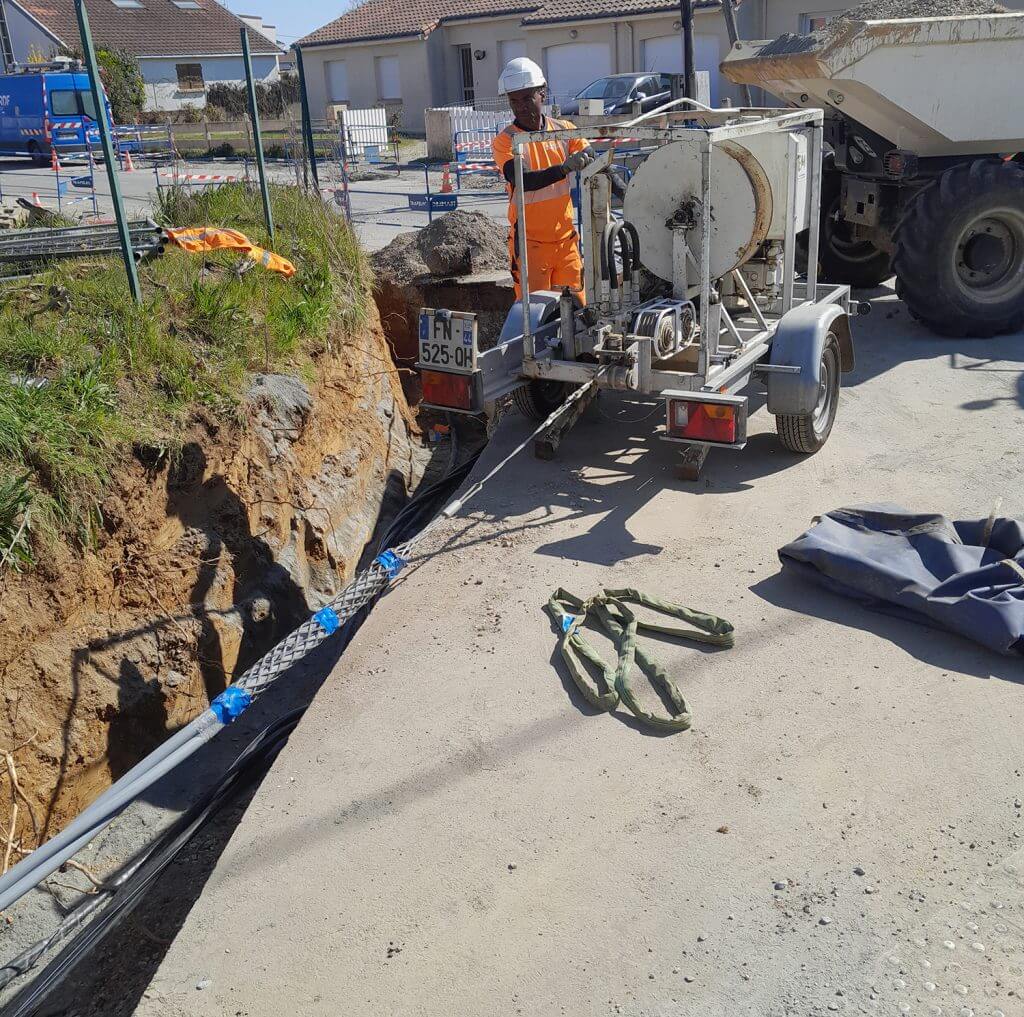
(881, 10)
(459, 261)
(204, 563)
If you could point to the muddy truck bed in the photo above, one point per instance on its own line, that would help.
(935, 86)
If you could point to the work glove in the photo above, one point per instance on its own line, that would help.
(579, 160)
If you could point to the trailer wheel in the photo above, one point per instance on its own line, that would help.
(539, 399)
(806, 433)
(960, 251)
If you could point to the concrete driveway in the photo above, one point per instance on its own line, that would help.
(451, 830)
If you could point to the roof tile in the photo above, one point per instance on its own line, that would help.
(389, 19)
(158, 28)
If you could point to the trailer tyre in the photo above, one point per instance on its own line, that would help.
(539, 399)
(806, 433)
(960, 251)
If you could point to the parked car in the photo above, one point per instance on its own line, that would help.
(47, 105)
(620, 91)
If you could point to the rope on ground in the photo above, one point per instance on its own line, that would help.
(622, 626)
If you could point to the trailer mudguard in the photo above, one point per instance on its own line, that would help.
(543, 308)
(798, 342)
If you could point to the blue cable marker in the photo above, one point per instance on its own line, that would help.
(327, 618)
(231, 703)
(567, 621)
(391, 563)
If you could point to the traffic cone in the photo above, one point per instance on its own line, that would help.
(446, 181)
(35, 199)
(129, 166)
(54, 161)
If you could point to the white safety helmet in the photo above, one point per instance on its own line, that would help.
(519, 74)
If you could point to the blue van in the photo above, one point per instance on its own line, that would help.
(42, 107)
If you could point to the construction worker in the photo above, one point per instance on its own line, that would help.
(552, 244)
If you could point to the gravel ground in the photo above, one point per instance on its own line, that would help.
(880, 10)
(452, 830)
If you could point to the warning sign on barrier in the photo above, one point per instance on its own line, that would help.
(82, 181)
(433, 202)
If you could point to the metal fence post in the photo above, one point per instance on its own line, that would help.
(257, 134)
(307, 124)
(100, 103)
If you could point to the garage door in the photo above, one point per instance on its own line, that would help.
(570, 68)
(665, 53)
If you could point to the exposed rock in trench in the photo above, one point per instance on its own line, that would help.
(206, 559)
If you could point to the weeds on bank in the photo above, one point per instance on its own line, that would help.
(85, 373)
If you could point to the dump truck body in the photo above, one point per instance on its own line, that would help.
(923, 174)
(934, 86)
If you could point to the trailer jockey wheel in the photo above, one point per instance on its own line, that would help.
(806, 433)
(539, 399)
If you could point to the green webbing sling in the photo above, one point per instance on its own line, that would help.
(609, 608)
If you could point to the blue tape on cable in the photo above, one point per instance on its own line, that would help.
(327, 618)
(391, 563)
(231, 703)
(567, 620)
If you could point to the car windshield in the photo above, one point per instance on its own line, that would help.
(607, 88)
(66, 102)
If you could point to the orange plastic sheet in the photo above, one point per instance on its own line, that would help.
(200, 239)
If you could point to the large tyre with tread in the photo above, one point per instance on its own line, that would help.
(841, 258)
(806, 433)
(960, 251)
(35, 153)
(539, 399)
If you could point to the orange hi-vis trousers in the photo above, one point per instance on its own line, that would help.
(551, 265)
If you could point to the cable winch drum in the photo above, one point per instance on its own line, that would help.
(670, 178)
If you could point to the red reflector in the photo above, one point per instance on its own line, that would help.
(455, 390)
(702, 421)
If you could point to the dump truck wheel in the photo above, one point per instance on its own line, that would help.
(841, 258)
(539, 399)
(806, 433)
(960, 251)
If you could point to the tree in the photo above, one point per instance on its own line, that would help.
(122, 78)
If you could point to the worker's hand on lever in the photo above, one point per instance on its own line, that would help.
(578, 160)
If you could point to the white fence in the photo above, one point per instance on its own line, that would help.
(364, 127)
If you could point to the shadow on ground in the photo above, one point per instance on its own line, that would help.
(930, 645)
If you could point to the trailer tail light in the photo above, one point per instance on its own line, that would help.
(454, 391)
(718, 419)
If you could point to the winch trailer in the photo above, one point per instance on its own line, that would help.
(692, 292)
(923, 176)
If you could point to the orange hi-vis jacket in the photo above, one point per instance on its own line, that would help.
(549, 214)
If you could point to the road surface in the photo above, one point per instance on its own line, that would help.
(451, 830)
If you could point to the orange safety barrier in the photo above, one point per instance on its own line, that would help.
(200, 239)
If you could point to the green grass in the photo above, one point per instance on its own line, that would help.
(116, 375)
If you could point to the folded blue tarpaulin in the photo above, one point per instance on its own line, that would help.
(964, 576)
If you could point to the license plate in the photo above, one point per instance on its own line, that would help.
(448, 340)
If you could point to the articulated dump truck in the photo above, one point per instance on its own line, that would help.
(923, 175)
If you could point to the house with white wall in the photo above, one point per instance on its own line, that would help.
(407, 55)
(411, 54)
(183, 46)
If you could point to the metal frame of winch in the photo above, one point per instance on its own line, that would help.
(621, 342)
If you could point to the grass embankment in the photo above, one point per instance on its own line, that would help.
(85, 374)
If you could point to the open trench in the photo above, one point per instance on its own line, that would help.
(205, 560)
